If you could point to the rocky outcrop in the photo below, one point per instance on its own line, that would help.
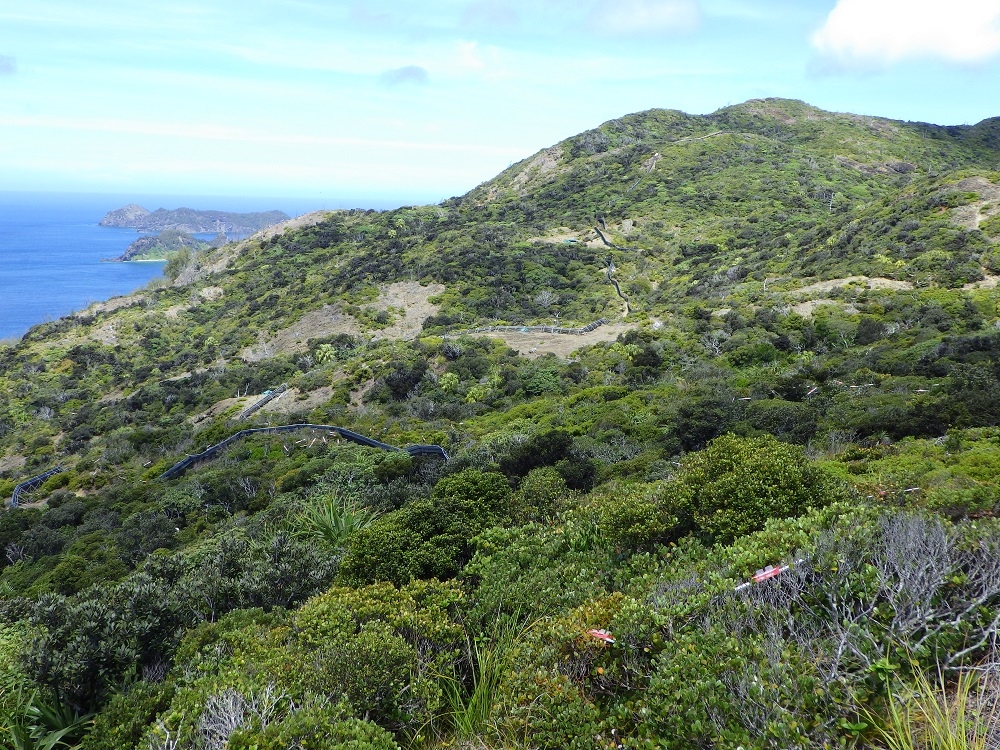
(126, 216)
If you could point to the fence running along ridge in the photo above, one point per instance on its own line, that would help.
(414, 450)
(30, 485)
(536, 329)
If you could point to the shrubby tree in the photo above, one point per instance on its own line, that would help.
(736, 485)
(428, 538)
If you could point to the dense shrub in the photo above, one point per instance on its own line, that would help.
(736, 484)
(428, 538)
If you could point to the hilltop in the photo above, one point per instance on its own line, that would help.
(780, 343)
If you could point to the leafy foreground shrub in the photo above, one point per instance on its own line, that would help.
(736, 485)
(428, 538)
(345, 658)
(90, 644)
(790, 662)
(315, 728)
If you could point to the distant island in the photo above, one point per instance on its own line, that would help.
(164, 245)
(191, 220)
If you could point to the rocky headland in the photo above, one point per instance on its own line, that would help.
(191, 220)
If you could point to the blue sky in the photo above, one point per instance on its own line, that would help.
(420, 101)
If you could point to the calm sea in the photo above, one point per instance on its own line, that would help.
(51, 249)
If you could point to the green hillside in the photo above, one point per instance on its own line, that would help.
(792, 355)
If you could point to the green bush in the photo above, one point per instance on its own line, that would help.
(428, 538)
(316, 727)
(736, 485)
(634, 518)
(123, 722)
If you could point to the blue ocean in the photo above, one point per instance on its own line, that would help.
(51, 248)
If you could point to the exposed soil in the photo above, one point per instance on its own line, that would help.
(9, 463)
(823, 287)
(115, 303)
(805, 309)
(219, 407)
(534, 345)
(305, 220)
(987, 282)
(413, 298)
(328, 321)
(975, 213)
(291, 401)
(543, 163)
(212, 293)
(106, 334)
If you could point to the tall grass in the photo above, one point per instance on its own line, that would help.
(931, 715)
(469, 711)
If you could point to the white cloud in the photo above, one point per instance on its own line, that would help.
(881, 32)
(639, 17)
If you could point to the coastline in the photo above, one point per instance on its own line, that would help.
(135, 260)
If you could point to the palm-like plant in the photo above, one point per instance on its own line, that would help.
(333, 519)
(50, 727)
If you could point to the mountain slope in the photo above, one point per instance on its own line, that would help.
(798, 360)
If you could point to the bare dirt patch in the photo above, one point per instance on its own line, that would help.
(328, 321)
(115, 303)
(895, 284)
(106, 334)
(220, 407)
(10, 463)
(413, 298)
(824, 287)
(972, 215)
(806, 309)
(543, 163)
(212, 293)
(175, 311)
(305, 220)
(291, 401)
(987, 282)
(533, 345)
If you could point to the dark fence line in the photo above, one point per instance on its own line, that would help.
(536, 329)
(414, 450)
(260, 403)
(30, 485)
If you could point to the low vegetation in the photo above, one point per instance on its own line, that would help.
(808, 379)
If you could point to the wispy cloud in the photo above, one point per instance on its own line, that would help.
(408, 75)
(490, 14)
(646, 17)
(8, 65)
(867, 33)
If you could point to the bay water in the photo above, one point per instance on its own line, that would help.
(51, 248)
